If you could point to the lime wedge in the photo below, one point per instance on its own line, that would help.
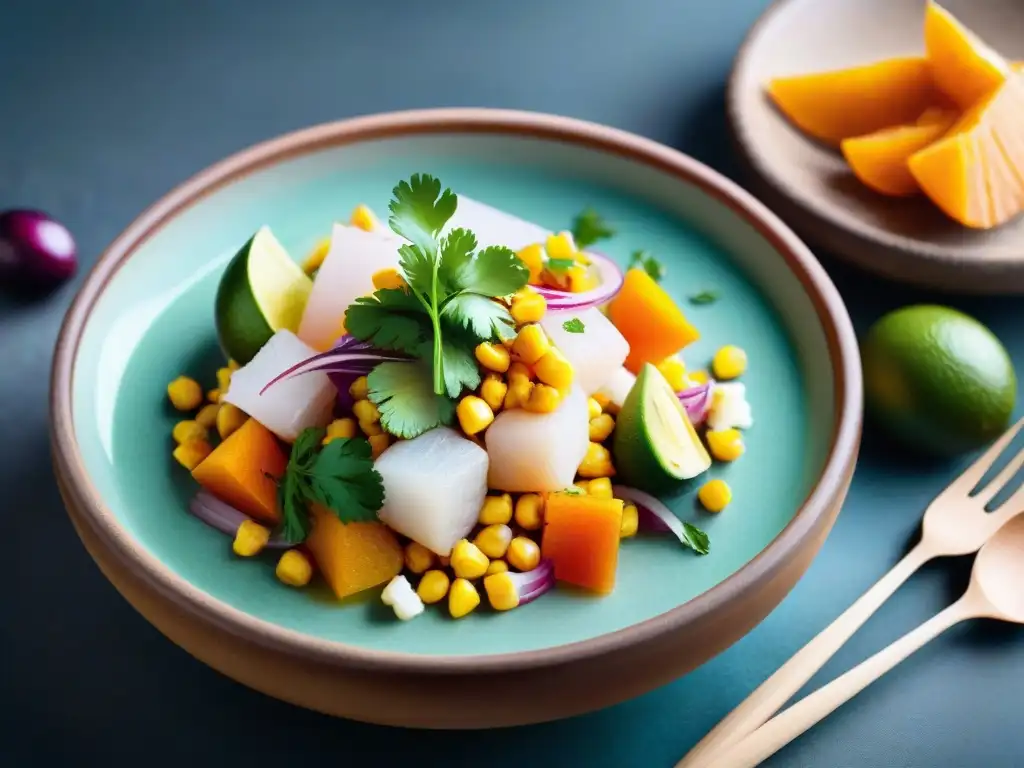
(262, 291)
(655, 445)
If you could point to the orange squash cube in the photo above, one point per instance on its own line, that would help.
(353, 556)
(649, 320)
(581, 538)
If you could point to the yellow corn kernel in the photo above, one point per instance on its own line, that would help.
(190, 453)
(370, 428)
(533, 257)
(363, 218)
(493, 540)
(630, 521)
(493, 391)
(715, 495)
(697, 378)
(233, 366)
(594, 408)
(554, 369)
(223, 379)
(185, 393)
(519, 373)
(528, 308)
(597, 462)
(529, 514)
(417, 557)
(388, 277)
(475, 415)
(580, 279)
(674, 371)
(602, 400)
(601, 428)
(493, 357)
(316, 256)
(379, 444)
(229, 418)
(543, 399)
(365, 411)
(344, 428)
(729, 362)
(531, 344)
(496, 510)
(207, 416)
(294, 569)
(600, 488)
(433, 586)
(560, 246)
(518, 394)
(468, 561)
(213, 395)
(501, 592)
(462, 598)
(188, 430)
(725, 444)
(359, 389)
(523, 554)
(496, 566)
(250, 538)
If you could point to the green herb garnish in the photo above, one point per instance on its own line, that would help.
(645, 261)
(573, 490)
(338, 476)
(704, 297)
(696, 539)
(588, 228)
(560, 265)
(574, 325)
(451, 306)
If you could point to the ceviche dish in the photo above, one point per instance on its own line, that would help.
(454, 407)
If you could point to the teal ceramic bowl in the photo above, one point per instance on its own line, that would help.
(145, 315)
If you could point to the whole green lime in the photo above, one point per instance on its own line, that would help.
(937, 379)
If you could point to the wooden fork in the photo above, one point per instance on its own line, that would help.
(955, 523)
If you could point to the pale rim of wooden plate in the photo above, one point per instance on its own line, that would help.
(826, 494)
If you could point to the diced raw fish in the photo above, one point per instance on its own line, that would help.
(596, 354)
(345, 275)
(536, 452)
(291, 405)
(616, 389)
(494, 227)
(434, 486)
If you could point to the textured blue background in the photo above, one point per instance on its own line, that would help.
(106, 104)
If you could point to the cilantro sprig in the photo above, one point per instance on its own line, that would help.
(645, 260)
(338, 476)
(588, 228)
(574, 325)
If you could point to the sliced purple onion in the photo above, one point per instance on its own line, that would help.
(35, 248)
(529, 585)
(225, 518)
(347, 356)
(655, 517)
(342, 382)
(611, 283)
(697, 402)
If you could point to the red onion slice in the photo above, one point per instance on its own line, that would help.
(656, 517)
(348, 355)
(611, 282)
(697, 402)
(225, 518)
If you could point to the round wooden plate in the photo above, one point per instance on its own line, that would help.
(810, 185)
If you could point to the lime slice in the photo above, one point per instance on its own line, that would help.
(262, 291)
(655, 445)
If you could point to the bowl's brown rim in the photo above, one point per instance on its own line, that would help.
(908, 251)
(829, 306)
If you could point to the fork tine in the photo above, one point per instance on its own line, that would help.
(1002, 479)
(1012, 506)
(973, 474)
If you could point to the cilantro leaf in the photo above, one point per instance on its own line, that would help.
(495, 271)
(291, 497)
(485, 318)
(405, 395)
(560, 265)
(345, 480)
(420, 210)
(704, 297)
(696, 539)
(418, 267)
(588, 228)
(645, 260)
(456, 253)
(574, 325)
(460, 368)
(389, 319)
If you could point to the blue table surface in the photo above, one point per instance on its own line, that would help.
(107, 104)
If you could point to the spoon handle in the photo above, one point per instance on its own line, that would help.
(766, 700)
(783, 728)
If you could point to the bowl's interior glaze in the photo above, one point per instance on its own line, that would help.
(155, 321)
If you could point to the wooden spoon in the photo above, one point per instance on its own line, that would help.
(996, 591)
